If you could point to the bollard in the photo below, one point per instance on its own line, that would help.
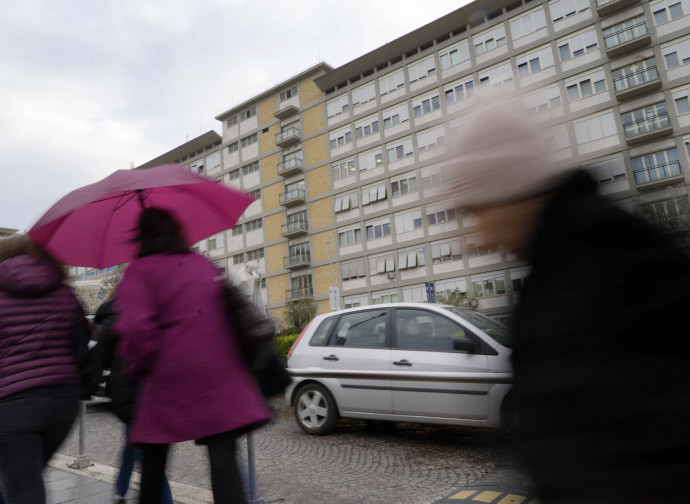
(253, 497)
(82, 460)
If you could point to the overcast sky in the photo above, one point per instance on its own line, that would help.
(90, 87)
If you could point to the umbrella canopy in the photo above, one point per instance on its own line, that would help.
(94, 225)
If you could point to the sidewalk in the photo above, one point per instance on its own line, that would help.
(94, 485)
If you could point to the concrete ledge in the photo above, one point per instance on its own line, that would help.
(182, 494)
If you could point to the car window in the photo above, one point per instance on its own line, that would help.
(320, 336)
(425, 330)
(491, 327)
(366, 329)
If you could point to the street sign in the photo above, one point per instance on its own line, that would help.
(334, 293)
(430, 292)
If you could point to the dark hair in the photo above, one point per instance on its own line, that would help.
(22, 244)
(158, 232)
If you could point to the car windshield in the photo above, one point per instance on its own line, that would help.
(496, 330)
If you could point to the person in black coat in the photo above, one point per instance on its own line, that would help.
(122, 391)
(601, 382)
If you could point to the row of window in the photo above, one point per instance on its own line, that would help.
(569, 47)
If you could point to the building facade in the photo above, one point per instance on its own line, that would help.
(344, 162)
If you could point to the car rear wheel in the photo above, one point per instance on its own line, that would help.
(315, 410)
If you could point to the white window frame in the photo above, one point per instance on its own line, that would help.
(489, 40)
(403, 185)
(288, 93)
(431, 138)
(481, 282)
(399, 149)
(426, 104)
(363, 94)
(344, 166)
(355, 268)
(421, 69)
(535, 61)
(607, 170)
(407, 221)
(380, 264)
(374, 193)
(413, 257)
(338, 105)
(680, 48)
(527, 23)
(384, 225)
(446, 251)
(249, 140)
(248, 113)
(367, 126)
(665, 7)
(459, 90)
(351, 234)
(648, 163)
(345, 202)
(442, 214)
(578, 44)
(392, 82)
(370, 159)
(454, 55)
(595, 127)
(563, 9)
(681, 95)
(340, 137)
(503, 71)
(396, 115)
(543, 99)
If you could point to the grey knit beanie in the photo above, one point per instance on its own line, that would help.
(499, 156)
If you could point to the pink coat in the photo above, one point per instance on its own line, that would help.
(176, 341)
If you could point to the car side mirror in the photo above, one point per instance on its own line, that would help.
(464, 345)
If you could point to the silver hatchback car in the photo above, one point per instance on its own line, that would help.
(403, 362)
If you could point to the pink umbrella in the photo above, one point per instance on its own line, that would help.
(93, 225)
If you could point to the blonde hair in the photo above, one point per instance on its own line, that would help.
(22, 244)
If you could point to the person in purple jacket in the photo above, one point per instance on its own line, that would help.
(177, 341)
(43, 366)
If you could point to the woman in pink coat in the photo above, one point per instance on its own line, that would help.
(194, 383)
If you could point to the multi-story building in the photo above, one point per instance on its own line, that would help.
(344, 162)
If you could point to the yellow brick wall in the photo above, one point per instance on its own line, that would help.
(318, 181)
(323, 306)
(322, 278)
(319, 248)
(269, 166)
(271, 196)
(312, 120)
(266, 109)
(278, 315)
(315, 150)
(274, 257)
(272, 224)
(321, 212)
(309, 91)
(268, 139)
(277, 285)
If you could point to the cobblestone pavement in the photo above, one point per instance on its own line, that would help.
(357, 464)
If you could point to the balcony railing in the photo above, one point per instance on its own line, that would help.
(646, 125)
(295, 228)
(288, 136)
(635, 79)
(291, 166)
(657, 172)
(293, 294)
(626, 39)
(293, 197)
(296, 260)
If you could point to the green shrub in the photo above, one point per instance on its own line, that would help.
(283, 345)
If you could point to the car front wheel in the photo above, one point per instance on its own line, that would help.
(315, 410)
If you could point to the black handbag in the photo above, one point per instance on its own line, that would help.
(256, 333)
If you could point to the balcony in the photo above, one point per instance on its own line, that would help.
(661, 175)
(288, 136)
(605, 7)
(294, 294)
(296, 261)
(293, 229)
(293, 197)
(626, 39)
(637, 82)
(291, 167)
(646, 129)
(286, 111)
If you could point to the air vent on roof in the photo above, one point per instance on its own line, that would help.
(393, 61)
(411, 53)
(368, 72)
(426, 46)
(442, 38)
(460, 30)
(382, 66)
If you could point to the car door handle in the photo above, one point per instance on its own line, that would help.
(403, 362)
(331, 358)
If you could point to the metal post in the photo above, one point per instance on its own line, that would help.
(253, 497)
(82, 460)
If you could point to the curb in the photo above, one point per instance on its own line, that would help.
(182, 494)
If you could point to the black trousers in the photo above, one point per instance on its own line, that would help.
(226, 481)
(31, 430)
